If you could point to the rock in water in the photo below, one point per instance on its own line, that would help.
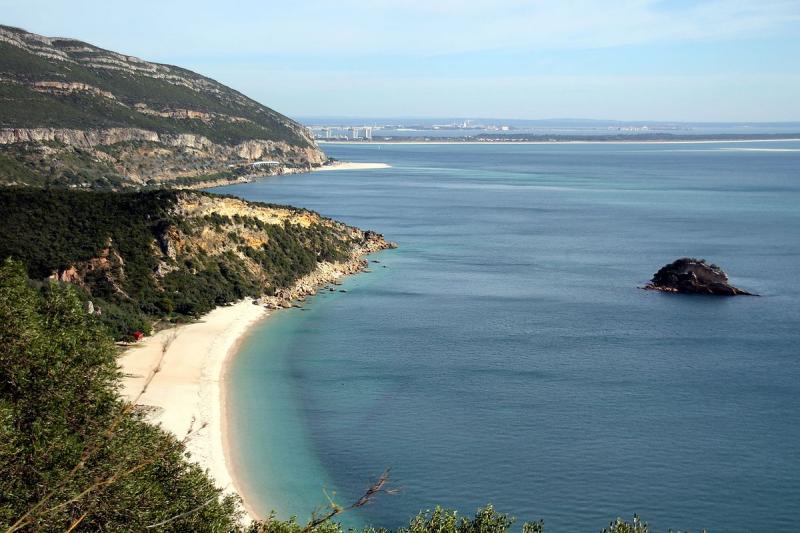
(693, 276)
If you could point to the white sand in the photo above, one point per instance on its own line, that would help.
(187, 391)
(344, 165)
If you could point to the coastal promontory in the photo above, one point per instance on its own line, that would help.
(142, 257)
(694, 276)
(76, 115)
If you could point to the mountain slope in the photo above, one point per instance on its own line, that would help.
(144, 256)
(75, 114)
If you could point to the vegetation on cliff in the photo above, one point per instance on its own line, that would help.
(142, 256)
(84, 98)
(115, 85)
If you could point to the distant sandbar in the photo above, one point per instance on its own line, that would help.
(345, 165)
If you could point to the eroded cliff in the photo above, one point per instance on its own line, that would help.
(140, 257)
(72, 114)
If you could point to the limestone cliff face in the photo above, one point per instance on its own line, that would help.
(248, 151)
(132, 157)
(329, 272)
(210, 240)
(76, 138)
(200, 230)
(79, 100)
(67, 87)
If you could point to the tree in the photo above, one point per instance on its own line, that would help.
(71, 451)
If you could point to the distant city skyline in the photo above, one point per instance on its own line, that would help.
(631, 60)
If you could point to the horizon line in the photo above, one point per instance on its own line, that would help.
(559, 119)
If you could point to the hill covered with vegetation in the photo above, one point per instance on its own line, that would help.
(143, 256)
(74, 114)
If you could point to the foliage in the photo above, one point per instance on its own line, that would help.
(25, 108)
(35, 165)
(70, 450)
(69, 85)
(621, 526)
(485, 520)
(113, 241)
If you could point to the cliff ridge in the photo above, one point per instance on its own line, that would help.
(75, 115)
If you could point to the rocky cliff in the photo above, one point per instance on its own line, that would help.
(145, 256)
(72, 114)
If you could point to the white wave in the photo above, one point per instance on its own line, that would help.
(761, 149)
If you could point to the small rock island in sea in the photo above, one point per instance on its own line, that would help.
(693, 276)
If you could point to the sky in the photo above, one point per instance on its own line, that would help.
(681, 60)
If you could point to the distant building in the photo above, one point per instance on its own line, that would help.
(368, 133)
(355, 132)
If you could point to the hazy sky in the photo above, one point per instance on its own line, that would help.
(726, 60)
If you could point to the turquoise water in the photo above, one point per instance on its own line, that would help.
(506, 355)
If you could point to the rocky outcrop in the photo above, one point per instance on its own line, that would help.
(198, 227)
(189, 114)
(210, 241)
(77, 138)
(250, 150)
(172, 255)
(327, 272)
(73, 87)
(257, 149)
(109, 265)
(693, 276)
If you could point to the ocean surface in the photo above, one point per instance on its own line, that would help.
(505, 354)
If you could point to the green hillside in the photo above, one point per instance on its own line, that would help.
(52, 90)
(164, 255)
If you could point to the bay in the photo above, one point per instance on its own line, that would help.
(506, 354)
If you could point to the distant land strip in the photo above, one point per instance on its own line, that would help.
(544, 138)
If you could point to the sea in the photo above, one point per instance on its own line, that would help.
(506, 354)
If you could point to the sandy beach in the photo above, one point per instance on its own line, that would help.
(186, 391)
(187, 364)
(344, 165)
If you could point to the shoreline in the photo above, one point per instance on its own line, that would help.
(339, 165)
(189, 365)
(188, 389)
(349, 165)
(225, 426)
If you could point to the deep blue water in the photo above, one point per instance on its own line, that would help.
(506, 355)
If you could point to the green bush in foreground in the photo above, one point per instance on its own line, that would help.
(71, 452)
(485, 520)
(54, 230)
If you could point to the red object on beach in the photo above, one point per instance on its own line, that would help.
(137, 335)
